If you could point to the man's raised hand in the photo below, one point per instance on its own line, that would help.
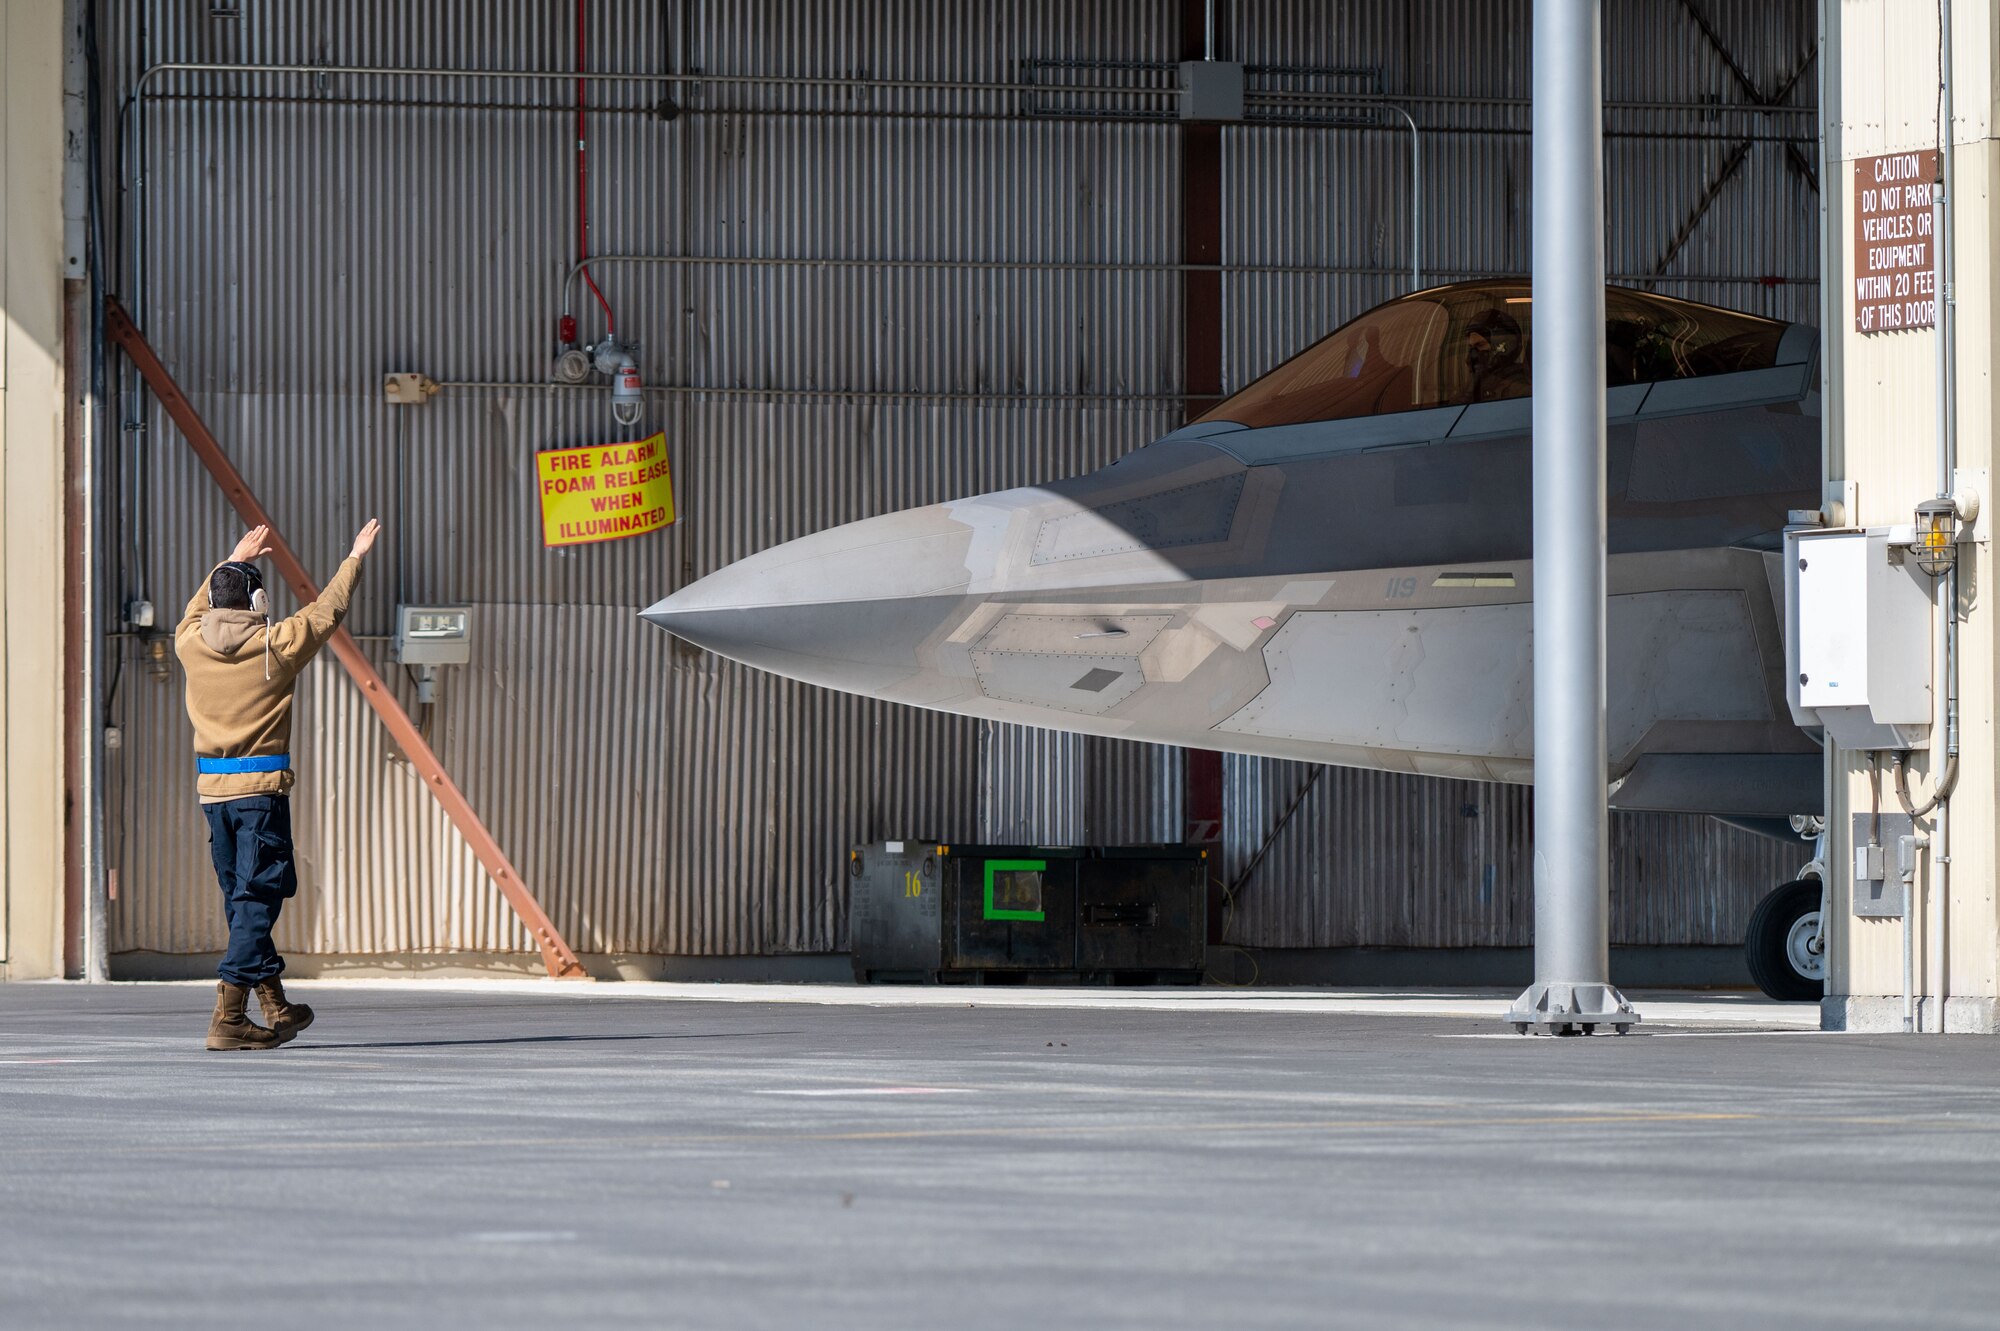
(256, 543)
(364, 539)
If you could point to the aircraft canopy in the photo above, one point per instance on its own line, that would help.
(1474, 342)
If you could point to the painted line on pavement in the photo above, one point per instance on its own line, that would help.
(876, 1090)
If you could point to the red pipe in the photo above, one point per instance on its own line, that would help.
(582, 174)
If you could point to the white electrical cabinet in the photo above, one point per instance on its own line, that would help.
(1858, 638)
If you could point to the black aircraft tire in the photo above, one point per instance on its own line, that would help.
(1766, 943)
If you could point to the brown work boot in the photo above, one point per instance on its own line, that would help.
(287, 1019)
(230, 1028)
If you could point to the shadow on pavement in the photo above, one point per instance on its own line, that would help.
(543, 1039)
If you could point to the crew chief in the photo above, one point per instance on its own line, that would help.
(241, 667)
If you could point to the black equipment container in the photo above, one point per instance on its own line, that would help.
(926, 912)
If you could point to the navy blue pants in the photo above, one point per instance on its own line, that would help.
(250, 841)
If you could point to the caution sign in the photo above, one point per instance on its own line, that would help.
(1894, 280)
(604, 492)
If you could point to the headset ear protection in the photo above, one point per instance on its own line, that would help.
(260, 600)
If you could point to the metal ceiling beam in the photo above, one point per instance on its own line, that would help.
(1730, 165)
(1721, 48)
(556, 954)
(1793, 157)
(1743, 77)
(1802, 165)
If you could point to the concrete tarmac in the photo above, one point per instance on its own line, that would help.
(442, 1157)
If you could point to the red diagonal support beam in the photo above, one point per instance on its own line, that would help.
(556, 954)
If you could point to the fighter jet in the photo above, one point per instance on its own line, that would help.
(1335, 565)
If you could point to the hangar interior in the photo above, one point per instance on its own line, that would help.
(870, 259)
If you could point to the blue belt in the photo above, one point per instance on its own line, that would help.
(276, 762)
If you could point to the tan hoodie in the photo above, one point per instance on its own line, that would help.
(237, 712)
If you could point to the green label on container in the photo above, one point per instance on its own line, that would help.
(1014, 889)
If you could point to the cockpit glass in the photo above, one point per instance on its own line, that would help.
(1474, 342)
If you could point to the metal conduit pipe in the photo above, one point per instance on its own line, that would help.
(1416, 201)
(1944, 618)
(1944, 651)
(953, 117)
(841, 394)
(1140, 267)
(1947, 464)
(607, 76)
(1707, 111)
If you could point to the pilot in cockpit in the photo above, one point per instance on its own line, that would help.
(1493, 354)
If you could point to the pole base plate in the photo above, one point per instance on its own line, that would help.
(1563, 1008)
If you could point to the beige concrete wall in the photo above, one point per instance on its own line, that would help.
(1881, 86)
(31, 495)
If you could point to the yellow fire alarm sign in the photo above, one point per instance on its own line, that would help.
(604, 492)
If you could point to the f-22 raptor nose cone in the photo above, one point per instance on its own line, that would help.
(1336, 567)
(846, 608)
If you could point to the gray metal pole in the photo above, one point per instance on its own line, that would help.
(1572, 990)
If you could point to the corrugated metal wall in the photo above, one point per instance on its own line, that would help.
(1383, 860)
(305, 234)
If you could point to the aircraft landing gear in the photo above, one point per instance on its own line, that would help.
(1784, 947)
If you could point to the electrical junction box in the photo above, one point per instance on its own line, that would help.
(409, 390)
(433, 634)
(1211, 90)
(1878, 876)
(1858, 638)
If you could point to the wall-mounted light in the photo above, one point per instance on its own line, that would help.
(1936, 543)
(627, 395)
(619, 362)
(428, 636)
